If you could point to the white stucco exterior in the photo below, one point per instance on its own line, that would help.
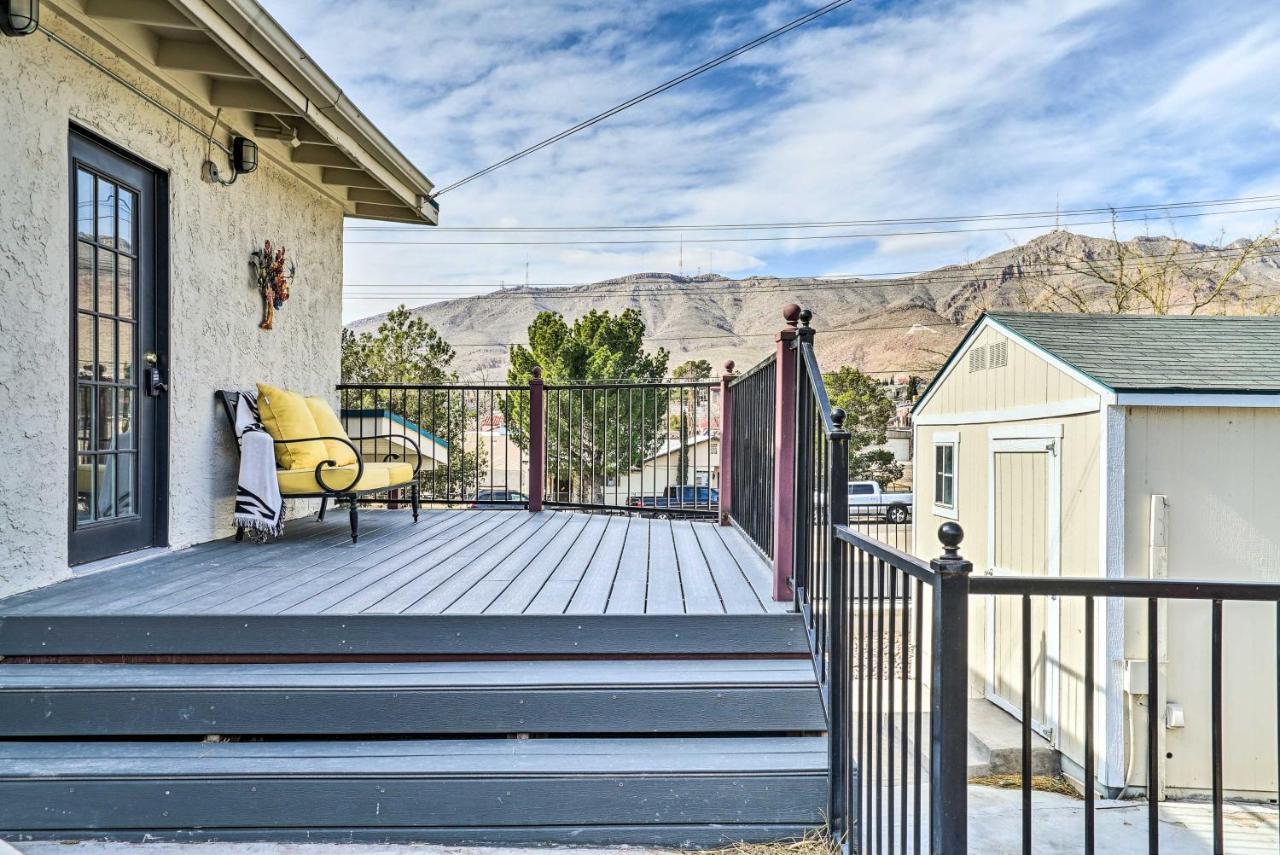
(215, 310)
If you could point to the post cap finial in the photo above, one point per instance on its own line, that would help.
(838, 417)
(791, 314)
(805, 316)
(728, 366)
(951, 536)
(537, 372)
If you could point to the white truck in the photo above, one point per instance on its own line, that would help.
(868, 499)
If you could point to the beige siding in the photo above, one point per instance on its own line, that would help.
(1026, 380)
(1220, 469)
(1079, 463)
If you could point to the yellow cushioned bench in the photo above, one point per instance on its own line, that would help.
(316, 458)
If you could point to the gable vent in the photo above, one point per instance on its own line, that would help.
(977, 359)
(999, 357)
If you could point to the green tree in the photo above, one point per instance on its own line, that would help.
(407, 350)
(592, 435)
(868, 411)
(686, 405)
(694, 369)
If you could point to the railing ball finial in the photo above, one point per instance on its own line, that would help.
(838, 417)
(951, 535)
(806, 315)
(791, 314)
(537, 372)
(728, 366)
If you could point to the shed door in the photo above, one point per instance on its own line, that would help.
(1023, 541)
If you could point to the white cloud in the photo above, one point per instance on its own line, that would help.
(932, 108)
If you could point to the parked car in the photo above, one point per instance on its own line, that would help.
(868, 498)
(687, 498)
(500, 498)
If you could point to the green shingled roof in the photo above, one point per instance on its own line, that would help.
(1146, 353)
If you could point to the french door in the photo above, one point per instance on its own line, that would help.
(119, 326)
(1023, 534)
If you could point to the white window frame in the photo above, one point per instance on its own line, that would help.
(952, 439)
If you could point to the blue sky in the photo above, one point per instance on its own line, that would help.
(878, 110)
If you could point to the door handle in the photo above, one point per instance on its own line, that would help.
(153, 379)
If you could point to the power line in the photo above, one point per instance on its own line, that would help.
(813, 224)
(644, 96)
(774, 238)
(709, 336)
(958, 274)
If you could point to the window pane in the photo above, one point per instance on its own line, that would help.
(84, 417)
(106, 349)
(125, 371)
(124, 286)
(105, 498)
(124, 418)
(124, 230)
(84, 488)
(106, 418)
(106, 281)
(106, 212)
(84, 204)
(124, 477)
(84, 275)
(84, 346)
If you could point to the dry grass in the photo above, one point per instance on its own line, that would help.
(1043, 783)
(813, 843)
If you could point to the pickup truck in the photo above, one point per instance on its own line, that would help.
(678, 499)
(867, 498)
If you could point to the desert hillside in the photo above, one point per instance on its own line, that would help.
(881, 325)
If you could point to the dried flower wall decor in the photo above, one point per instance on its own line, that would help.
(274, 274)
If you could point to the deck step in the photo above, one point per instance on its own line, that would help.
(492, 636)
(476, 697)
(655, 790)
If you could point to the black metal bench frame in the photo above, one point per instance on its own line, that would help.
(229, 401)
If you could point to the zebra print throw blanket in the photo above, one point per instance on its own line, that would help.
(259, 507)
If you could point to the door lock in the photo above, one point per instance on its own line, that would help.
(153, 379)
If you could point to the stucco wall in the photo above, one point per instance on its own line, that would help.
(1219, 468)
(214, 309)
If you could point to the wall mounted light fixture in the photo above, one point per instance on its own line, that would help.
(244, 159)
(19, 17)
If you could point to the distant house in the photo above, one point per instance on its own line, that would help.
(1117, 446)
(662, 469)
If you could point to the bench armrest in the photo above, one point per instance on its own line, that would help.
(331, 463)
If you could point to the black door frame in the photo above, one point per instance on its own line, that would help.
(80, 139)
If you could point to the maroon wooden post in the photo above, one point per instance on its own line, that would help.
(726, 442)
(537, 445)
(784, 458)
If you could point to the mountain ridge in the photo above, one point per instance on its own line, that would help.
(905, 324)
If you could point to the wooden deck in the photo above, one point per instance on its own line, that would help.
(465, 562)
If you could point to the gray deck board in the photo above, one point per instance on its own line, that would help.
(464, 562)
(592, 595)
(442, 698)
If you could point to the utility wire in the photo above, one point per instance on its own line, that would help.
(644, 96)
(958, 274)
(814, 224)
(773, 238)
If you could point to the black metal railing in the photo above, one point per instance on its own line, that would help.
(1210, 599)
(890, 638)
(883, 522)
(646, 446)
(468, 436)
(751, 503)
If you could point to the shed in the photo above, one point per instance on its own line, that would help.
(1117, 446)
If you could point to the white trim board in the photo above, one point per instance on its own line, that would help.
(1028, 412)
(1196, 399)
